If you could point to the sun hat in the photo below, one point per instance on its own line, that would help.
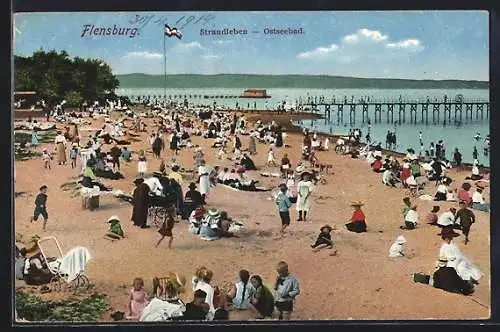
(178, 281)
(113, 218)
(443, 261)
(327, 227)
(214, 213)
(357, 203)
(448, 232)
(400, 239)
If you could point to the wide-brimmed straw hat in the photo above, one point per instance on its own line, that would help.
(214, 213)
(448, 232)
(328, 227)
(357, 203)
(443, 261)
(178, 281)
(113, 218)
(400, 239)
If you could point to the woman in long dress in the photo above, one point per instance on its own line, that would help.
(140, 210)
(456, 259)
(252, 148)
(203, 175)
(34, 138)
(304, 190)
(60, 142)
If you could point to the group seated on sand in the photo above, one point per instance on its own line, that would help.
(211, 302)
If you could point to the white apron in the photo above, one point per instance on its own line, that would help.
(303, 188)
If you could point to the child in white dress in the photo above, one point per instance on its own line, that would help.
(271, 160)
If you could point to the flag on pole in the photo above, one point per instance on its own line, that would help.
(172, 32)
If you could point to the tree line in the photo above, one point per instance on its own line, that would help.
(56, 76)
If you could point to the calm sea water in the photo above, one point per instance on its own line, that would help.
(461, 137)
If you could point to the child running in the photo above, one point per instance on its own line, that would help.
(167, 226)
(41, 206)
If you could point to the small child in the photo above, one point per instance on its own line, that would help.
(284, 204)
(46, 158)
(142, 166)
(41, 206)
(115, 231)
(396, 250)
(271, 160)
(167, 226)
(138, 300)
(73, 154)
(324, 238)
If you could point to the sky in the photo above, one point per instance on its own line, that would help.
(412, 44)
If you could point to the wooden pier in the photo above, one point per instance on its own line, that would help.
(450, 112)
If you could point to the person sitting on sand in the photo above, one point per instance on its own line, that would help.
(357, 222)
(456, 258)
(447, 279)
(222, 174)
(247, 162)
(478, 202)
(377, 165)
(242, 291)
(396, 249)
(201, 280)
(324, 238)
(407, 205)
(411, 218)
(441, 192)
(475, 173)
(447, 219)
(115, 231)
(451, 195)
(193, 198)
(138, 300)
(464, 193)
(389, 178)
(432, 216)
(262, 302)
(198, 308)
(195, 220)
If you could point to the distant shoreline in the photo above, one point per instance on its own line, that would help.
(244, 81)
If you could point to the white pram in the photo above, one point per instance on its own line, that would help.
(68, 268)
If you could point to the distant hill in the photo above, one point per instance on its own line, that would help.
(289, 81)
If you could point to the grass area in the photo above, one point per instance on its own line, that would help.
(44, 136)
(87, 309)
(26, 156)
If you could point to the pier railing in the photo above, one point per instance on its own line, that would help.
(397, 111)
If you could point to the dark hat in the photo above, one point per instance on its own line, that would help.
(175, 167)
(156, 173)
(328, 227)
(192, 185)
(283, 185)
(305, 173)
(138, 180)
(435, 208)
(448, 232)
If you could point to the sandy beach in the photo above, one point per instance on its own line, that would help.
(360, 282)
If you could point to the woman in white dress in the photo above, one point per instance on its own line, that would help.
(201, 280)
(203, 175)
(456, 259)
(304, 190)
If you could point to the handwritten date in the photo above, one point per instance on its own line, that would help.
(181, 23)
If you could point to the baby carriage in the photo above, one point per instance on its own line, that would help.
(68, 269)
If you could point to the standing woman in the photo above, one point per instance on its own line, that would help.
(252, 147)
(34, 139)
(140, 209)
(203, 176)
(174, 142)
(60, 143)
(304, 189)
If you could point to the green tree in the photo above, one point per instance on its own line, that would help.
(73, 98)
(55, 76)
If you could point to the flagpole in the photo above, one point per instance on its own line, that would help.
(164, 66)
